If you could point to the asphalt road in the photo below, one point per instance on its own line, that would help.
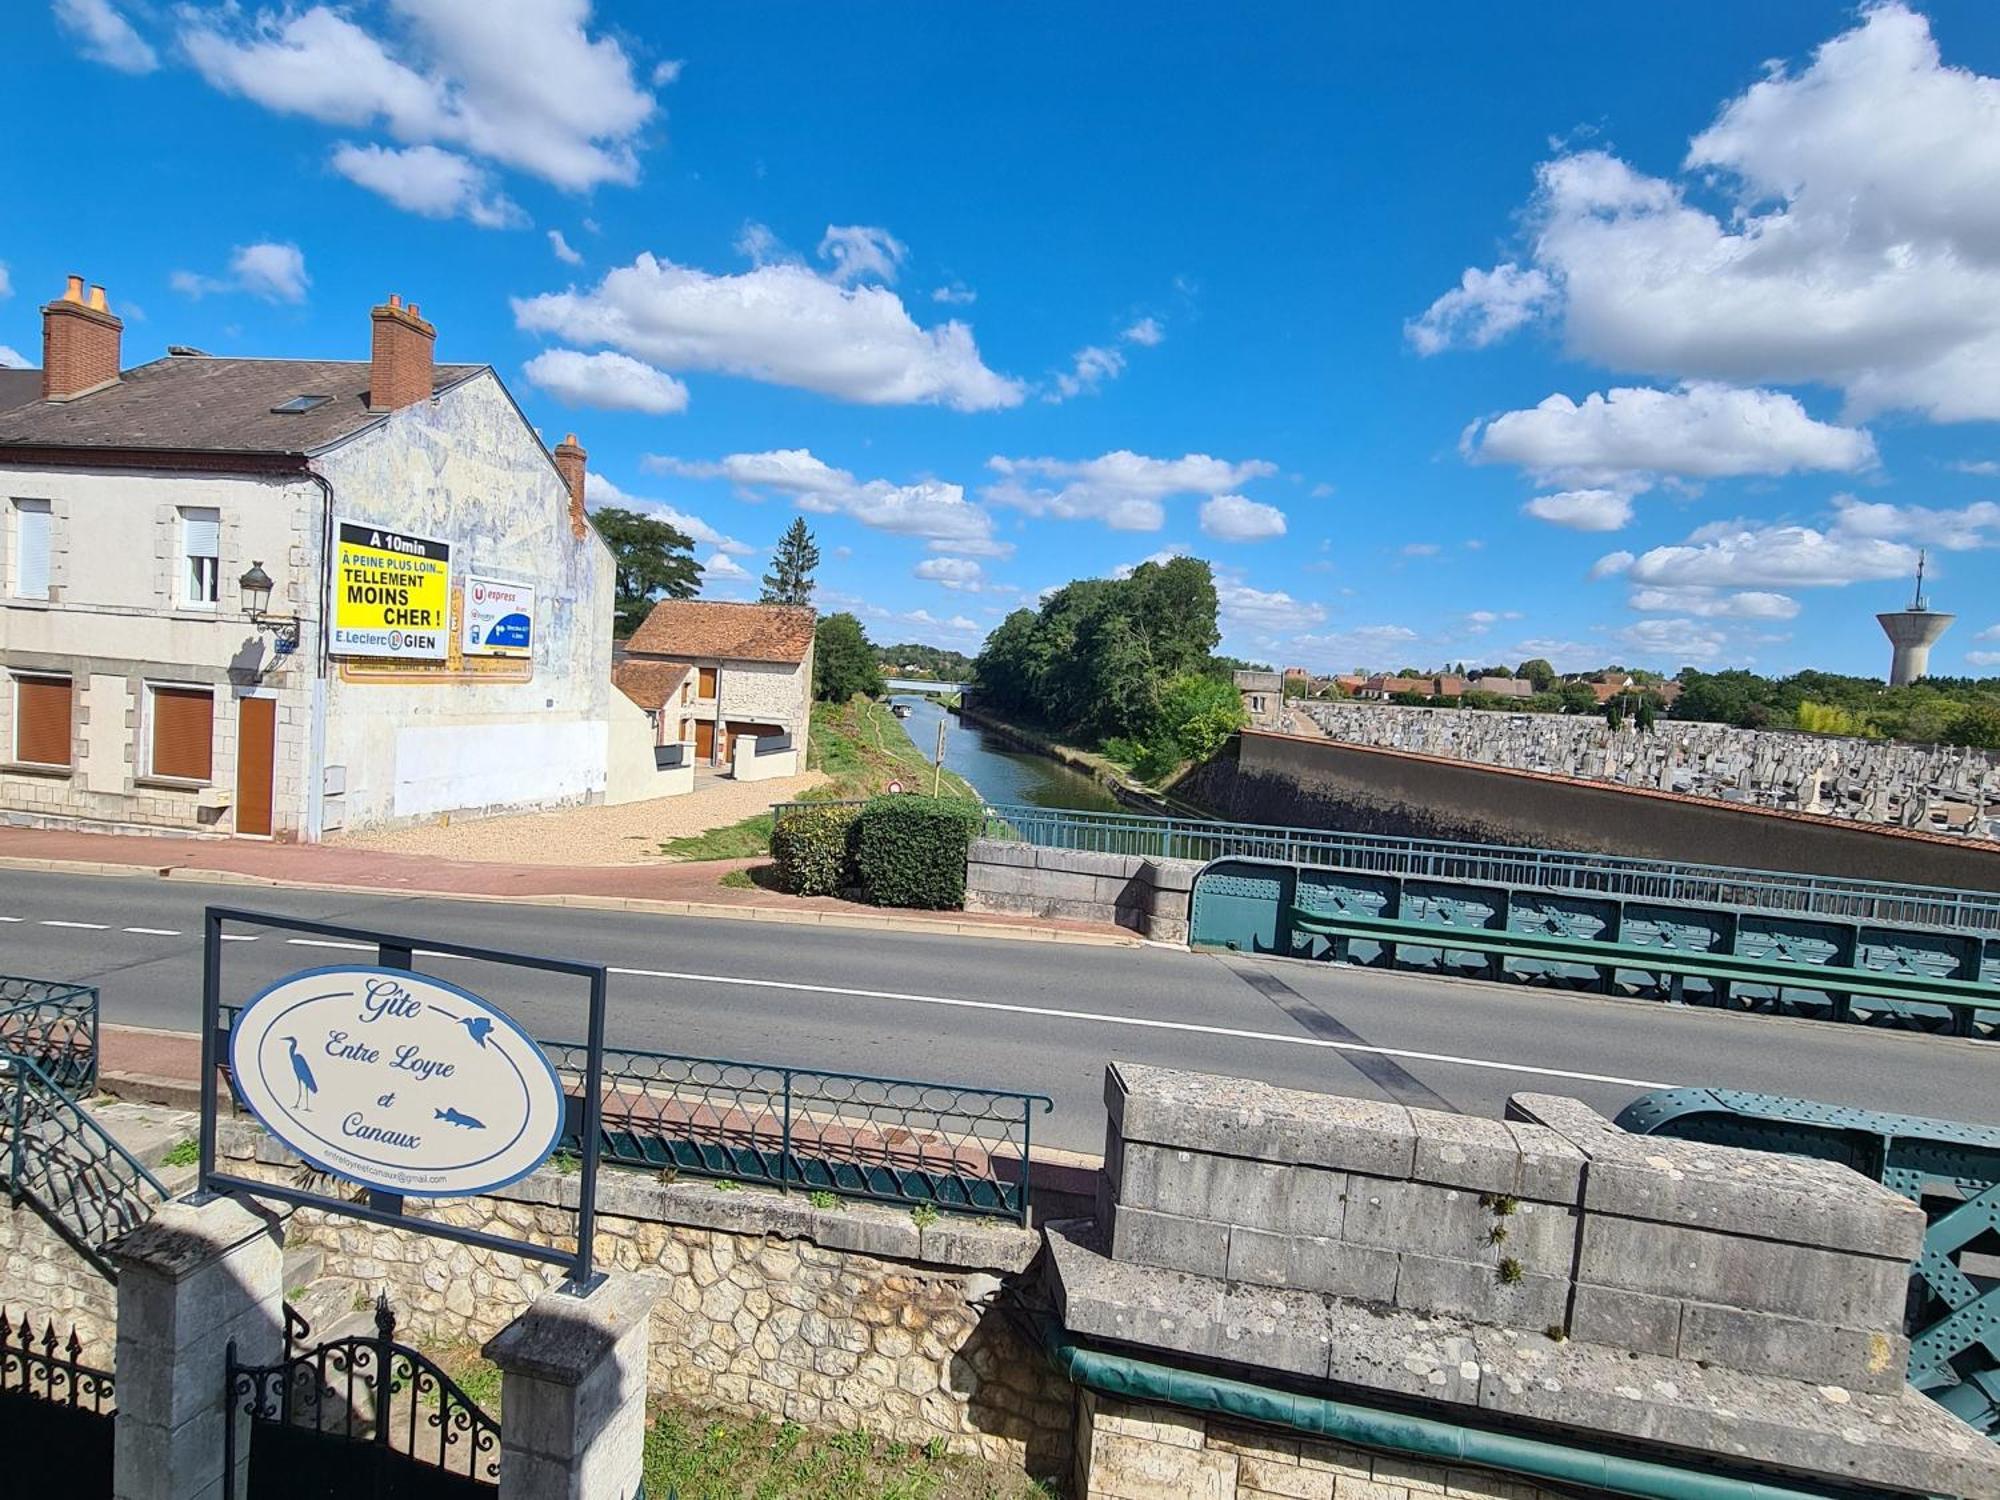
(1038, 1017)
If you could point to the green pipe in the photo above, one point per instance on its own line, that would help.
(1141, 1380)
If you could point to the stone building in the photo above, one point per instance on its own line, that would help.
(280, 597)
(1263, 697)
(752, 668)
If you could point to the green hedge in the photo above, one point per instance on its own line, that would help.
(910, 851)
(814, 851)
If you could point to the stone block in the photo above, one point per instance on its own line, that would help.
(1124, 1468)
(1455, 1224)
(1764, 1343)
(1271, 1476)
(1197, 1184)
(1852, 1291)
(999, 880)
(1551, 1168)
(1086, 862)
(1337, 1268)
(1196, 1246)
(1242, 1117)
(990, 852)
(1465, 1151)
(1466, 1289)
(1172, 930)
(1171, 874)
(1626, 1320)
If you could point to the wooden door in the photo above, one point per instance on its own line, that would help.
(704, 739)
(256, 756)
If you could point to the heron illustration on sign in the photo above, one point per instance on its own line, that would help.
(303, 1073)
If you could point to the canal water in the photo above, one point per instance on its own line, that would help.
(998, 771)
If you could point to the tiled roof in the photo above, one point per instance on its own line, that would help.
(650, 684)
(199, 404)
(17, 387)
(702, 630)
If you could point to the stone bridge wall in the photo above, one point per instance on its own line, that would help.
(1148, 895)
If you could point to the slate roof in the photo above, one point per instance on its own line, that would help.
(702, 630)
(201, 404)
(19, 386)
(650, 684)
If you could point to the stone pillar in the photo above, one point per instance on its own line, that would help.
(190, 1280)
(573, 1387)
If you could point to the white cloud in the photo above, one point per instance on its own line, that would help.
(1483, 307)
(105, 36)
(1343, 650)
(1701, 430)
(668, 70)
(1232, 518)
(13, 359)
(1674, 643)
(783, 324)
(430, 181)
(1093, 366)
(929, 508)
(1985, 467)
(1737, 554)
(860, 252)
(954, 295)
(1953, 530)
(600, 491)
(971, 546)
(952, 572)
(563, 250)
(1245, 608)
(1583, 510)
(1710, 605)
(1124, 490)
(1147, 333)
(1612, 564)
(539, 93)
(1990, 633)
(1983, 658)
(720, 565)
(614, 382)
(1421, 549)
(272, 271)
(1858, 244)
(6, 281)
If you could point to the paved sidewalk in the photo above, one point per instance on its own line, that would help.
(671, 889)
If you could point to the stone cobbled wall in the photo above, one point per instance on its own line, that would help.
(839, 1319)
(42, 1277)
(1133, 1452)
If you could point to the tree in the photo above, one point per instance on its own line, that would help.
(790, 580)
(1977, 725)
(1648, 714)
(1578, 698)
(1539, 672)
(651, 560)
(1614, 714)
(843, 661)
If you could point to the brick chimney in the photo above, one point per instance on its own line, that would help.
(79, 344)
(399, 362)
(570, 459)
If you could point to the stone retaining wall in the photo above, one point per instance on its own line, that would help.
(1145, 894)
(852, 1317)
(43, 1277)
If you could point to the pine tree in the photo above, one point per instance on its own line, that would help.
(790, 580)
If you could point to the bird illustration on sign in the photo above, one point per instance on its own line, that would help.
(476, 1027)
(303, 1074)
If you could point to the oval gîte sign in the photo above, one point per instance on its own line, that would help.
(396, 1081)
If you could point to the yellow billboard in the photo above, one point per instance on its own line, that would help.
(391, 594)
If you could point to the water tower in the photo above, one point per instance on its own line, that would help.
(1913, 632)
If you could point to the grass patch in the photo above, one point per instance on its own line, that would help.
(184, 1153)
(478, 1377)
(745, 840)
(738, 880)
(728, 1458)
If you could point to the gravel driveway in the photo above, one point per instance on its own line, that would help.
(623, 835)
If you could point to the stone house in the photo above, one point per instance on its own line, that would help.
(751, 667)
(282, 597)
(1263, 695)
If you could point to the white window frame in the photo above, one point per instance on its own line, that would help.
(16, 562)
(146, 722)
(14, 755)
(200, 586)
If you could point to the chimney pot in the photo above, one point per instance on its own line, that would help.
(395, 299)
(80, 344)
(401, 360)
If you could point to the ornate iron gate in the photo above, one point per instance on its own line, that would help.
(55, 1415)
(358, 1418)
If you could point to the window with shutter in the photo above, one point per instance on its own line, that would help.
(707, 688)
(201, 547)
(32, 521)
(183, 733)
(42, 720)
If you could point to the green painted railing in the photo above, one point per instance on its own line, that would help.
(53, 1023)
(1950, 1169)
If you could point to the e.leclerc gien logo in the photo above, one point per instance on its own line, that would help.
(397, 1081)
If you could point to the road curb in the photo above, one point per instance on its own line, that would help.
(939, 927)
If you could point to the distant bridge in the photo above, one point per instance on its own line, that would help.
(924, 685)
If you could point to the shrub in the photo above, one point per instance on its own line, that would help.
(911, 850)
(813, 849)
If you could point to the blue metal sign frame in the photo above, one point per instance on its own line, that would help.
(397, 951)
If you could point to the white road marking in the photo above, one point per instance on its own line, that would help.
(1151, 1024)
(153, 931)
(13, 919)
(329, 943)
(238, 937)
(85, 926)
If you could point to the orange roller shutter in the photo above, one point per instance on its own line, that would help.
(41, 720)
(184, 733)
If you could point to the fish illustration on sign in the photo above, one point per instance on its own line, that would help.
(453, 1117)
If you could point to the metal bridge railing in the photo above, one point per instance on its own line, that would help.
(1666, 881)
(54, 1024)
(895, 1140)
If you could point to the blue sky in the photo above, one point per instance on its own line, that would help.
(1662, 335)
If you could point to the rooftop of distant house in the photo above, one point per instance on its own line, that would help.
(708, 630)
(648, 683)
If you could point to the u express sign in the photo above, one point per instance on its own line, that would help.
(396, 1081)
(391, 594)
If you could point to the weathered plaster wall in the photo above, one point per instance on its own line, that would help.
(113, 625)
(1317, 783)
(467, 469)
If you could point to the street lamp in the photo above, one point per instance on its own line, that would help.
(255, 587)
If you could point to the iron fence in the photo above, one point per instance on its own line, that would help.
(896, 1140)
(1493, 864)
(53, 1023)
(56, 1415)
